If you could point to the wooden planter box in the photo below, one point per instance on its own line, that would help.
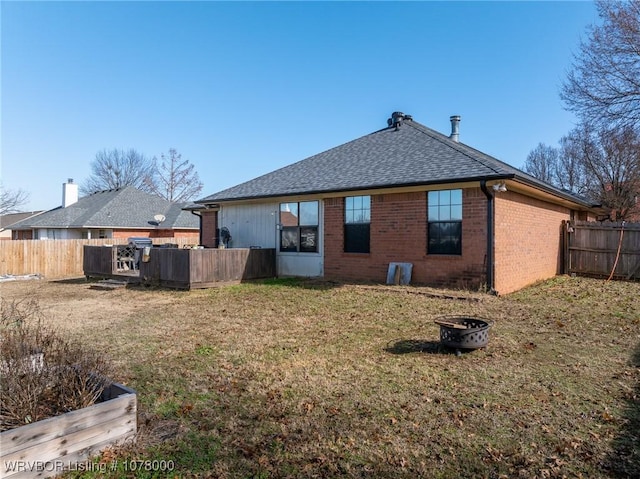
(46, 448)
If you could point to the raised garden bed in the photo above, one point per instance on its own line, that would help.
(46, 448)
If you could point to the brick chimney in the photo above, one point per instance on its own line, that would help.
(69, 193)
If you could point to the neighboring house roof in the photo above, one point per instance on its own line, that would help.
(6, 221)
(406, 156)
(125, 207)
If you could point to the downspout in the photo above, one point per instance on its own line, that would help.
(489, 195)
(193, 212)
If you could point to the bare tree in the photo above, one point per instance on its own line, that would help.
(115, 168)
(542, 162)
(173, 178)
(611, 162)
(603, 86)
(571, 174)
(12, 200)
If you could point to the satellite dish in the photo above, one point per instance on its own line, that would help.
(159, 218)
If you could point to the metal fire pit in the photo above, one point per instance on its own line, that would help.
(462, 332)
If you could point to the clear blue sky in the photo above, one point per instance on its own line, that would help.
(241, 89)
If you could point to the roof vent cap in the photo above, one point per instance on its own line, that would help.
(397, 117)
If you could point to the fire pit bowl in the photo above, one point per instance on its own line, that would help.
(462, 332)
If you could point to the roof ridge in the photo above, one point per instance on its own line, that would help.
(436, 135)
(515, 172)
(96, 213)
(402, 154)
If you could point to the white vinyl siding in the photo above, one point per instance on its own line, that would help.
(250, 225)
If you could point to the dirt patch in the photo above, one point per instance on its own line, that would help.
(74, 304)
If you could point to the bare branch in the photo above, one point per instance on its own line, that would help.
(603, 87)
(112, 169)
(611, 163)
(12, 200)
(542, 162)
(173, 178)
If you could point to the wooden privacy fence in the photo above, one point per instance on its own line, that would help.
(591, 248)
(55, 258)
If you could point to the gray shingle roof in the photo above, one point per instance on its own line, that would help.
(125, 207)
(9, 219)
(410, 155)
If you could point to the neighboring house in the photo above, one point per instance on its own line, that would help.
(118, 213)
(405, 193)
(9, 219)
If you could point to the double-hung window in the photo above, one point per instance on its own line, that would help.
(444, 222)
(299, 227)
(357, 224)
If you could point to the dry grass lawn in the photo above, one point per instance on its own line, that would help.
(292, 378)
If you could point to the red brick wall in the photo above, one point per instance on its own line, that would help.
(527, 240)
(189, 234)
(209, 227)
(22, 234)
(127, 233)
(399, 234)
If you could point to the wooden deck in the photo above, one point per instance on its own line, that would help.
(183, 268)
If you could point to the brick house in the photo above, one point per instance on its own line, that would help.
(405, 193)
(118, 213)
(6, 221)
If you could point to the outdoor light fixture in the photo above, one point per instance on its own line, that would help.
(500, 187)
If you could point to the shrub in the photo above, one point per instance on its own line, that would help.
(42, 373)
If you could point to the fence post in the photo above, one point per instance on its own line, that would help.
(563, 243)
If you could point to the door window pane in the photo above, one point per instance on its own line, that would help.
(308, 213)
(289, 214)
(309, 239)
(289, 239)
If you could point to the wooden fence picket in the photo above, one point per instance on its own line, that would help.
(591, 249)
(56, 258)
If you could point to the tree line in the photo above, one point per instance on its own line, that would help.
(600, 158)
(169, 177)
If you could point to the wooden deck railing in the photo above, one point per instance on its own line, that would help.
(186, 268)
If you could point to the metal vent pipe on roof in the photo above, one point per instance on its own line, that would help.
(455, 128)
(396, 119)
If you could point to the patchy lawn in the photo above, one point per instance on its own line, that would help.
(311, 379)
